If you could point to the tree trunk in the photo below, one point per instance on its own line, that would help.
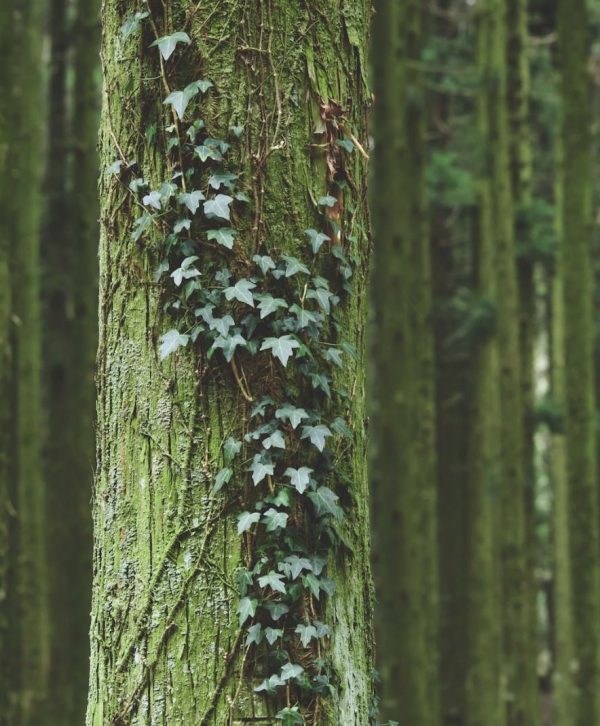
(23, 568)
(577, 280)
(69, 248)
(403, 378)
(166, 645)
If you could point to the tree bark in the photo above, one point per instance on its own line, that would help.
(577, 281)
(403, 378)
(166, 646)
(22, 565)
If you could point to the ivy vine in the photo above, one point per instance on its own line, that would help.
(274, 319)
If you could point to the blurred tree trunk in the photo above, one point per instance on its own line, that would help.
(483, 642)
(404, 470)
(24, 678)
(562, 692)
(166, 647)
(577, 282)
(521, 167)
(69, 248)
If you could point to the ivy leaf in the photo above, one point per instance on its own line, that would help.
(179, 100)
(153, 199)
(273, 634)
(132, 24)
(291, 716)
(204, 151)
(323, 297)
(224, 236)
(218, 208)
(346, 144)
(290, 413)
(186, 271)
(246, 609)
(170, 341)
(326, 501)
(182, 224)
(141, 225)
(222, 478)
(334, 355)
(341, 427)
(276, 609)
(275, 520)
(260, 469)
(246, 520)
(297, 565)
(294, 266)
(269, 304)
(322, 381)
(264, 262)
(273, 580)
(168, 43)
(305, 317)
(270, 684)
(306, 633)
(255, 634)
(191, 200)
(222, 325)
(275, 440)
(242, 197)
(228, 345)
(237, 131)
(241, 291)
(281, 348)
(223, 178)
(327, 201)
(316, 434)
(231, 448)
(316, 239)
(291, 670)
(299, 478)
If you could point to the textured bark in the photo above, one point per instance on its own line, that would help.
(25, 648)
(403, 379)
(577, 280)
(165, 639)
(69, 248)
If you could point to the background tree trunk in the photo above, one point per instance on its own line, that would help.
(577, 281)
(404, 474)
(165, 641)
(23, 570)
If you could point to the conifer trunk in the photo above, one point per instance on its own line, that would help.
(404, 470)
(166, 646)
(24, 626)
(577, 287)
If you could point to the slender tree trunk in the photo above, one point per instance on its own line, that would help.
(483, 641)
(403, 378)
(577, 281)
(521, 177)
(25, 650)
(69, 247)
(166, 646)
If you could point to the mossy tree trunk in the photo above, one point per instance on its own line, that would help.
(166, 646)
(404, 469)
(69, 249)
(579, 386)
(24, 652)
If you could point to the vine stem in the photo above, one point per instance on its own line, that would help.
(236, 373)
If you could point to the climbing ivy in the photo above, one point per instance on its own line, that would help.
(274, 320)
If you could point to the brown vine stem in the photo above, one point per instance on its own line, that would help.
(236, 373)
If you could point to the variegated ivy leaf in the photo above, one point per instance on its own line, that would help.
(316, 434)
(272, 580)
(275, 440)
(225, 236)
(246, 520)
(168, 43)
(273, 634)
(316, 239)
(291, 670)
(290, 413)
(218, 208)
(299, 478)
(222, 179)
(222, 478)
(269, 304)
(306, 633)
(246, 609)
(274, 519)
(170, 341)
(293, 266)
(205, 152)
(264, 262)
(326, 501)
(327, 201)
(231, 448)
(255, 634)
(260, 468)
(191, 200)
(282, 347)
(241, 291)
(132, 24)
(228, 345)
(295, 565)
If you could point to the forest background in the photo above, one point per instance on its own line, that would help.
(474, 123)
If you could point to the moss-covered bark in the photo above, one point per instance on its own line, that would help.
(69, 249)
(577, 281)
(165, 640)
(25, 649)
(404, 471)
